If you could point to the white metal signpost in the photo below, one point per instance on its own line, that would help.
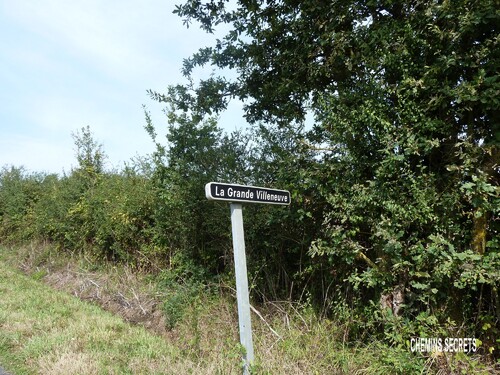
(237, 194)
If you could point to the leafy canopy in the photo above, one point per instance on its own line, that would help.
(405, 96)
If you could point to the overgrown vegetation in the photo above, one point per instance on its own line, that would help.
(394, 185)
(51, 332)
(48, 331)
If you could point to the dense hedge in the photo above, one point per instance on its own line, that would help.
(153, 214)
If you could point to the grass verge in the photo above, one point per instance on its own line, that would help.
(45, 330)
(50, 332)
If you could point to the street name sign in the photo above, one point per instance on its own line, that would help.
(236, 195)
(246, 194)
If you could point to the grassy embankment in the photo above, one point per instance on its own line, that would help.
(49, 331)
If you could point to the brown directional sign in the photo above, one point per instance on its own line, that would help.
(241, 193)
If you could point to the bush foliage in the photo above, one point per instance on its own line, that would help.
(394, 187)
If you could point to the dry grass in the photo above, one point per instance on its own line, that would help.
(68, 362)
(52, 333)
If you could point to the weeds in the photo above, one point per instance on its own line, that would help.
(48, 332)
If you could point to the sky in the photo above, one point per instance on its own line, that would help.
(68, 64)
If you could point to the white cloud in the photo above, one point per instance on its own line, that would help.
(120, 38)
(38, 153)
(73, 30)
(67, 64)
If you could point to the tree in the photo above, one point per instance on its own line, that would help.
(89, 154)
(406, 105)
(196, 153)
